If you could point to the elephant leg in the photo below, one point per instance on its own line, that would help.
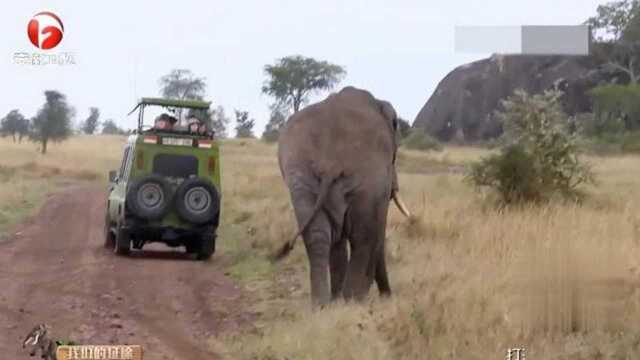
(317, 239)
(382, 278)
(358, 280)
(339, 261)
(362, 239)
(367, 218)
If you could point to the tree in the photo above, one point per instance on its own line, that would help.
(182, 84)
(219, 122)
(625, 58)
(275, 124)
(109, 127)
(404, 128)
(613, 19)
(23, 129)
(14, 123)
(53, 121)
(291, 80)
(91, 124)
(618, 43)
(244, 125)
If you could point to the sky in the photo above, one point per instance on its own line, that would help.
(397, 49)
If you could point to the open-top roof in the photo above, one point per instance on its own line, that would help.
(191, 104)
(188, 104)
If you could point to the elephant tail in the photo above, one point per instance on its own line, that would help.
(325, 186)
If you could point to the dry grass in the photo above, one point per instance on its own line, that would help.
(469, 282)
(26, 175)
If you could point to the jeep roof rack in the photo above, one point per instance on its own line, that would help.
(190, 104)
(168, 102)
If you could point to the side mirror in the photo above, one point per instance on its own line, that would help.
(113, 176)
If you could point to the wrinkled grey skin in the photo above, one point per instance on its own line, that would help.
(337, 159)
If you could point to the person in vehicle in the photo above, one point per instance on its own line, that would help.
(193, 124)
(164, 122)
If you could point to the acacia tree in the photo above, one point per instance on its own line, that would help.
(291, 80)
(244, 125)
(53, 121)
(14, 124)
(182, 84)
(90, 125)
(109, 127)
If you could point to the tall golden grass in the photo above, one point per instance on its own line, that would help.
(469, 281)
(26, 176)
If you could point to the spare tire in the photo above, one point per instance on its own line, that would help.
(149, 197)
(197, 201)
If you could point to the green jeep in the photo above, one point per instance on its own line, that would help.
(168, 186)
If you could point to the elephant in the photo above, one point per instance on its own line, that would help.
(337, 158)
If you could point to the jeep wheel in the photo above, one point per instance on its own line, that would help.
(149, 197)
(122, 242)
(207, 246)
(197, 201)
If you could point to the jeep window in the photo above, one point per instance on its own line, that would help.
(123, 166)
(178, 166)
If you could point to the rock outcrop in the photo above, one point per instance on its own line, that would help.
(463, 105)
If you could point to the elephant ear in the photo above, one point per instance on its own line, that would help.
(389, 113)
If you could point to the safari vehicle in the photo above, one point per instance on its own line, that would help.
(168, 186)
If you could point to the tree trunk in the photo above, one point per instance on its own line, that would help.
(44, 146)
(14, 137)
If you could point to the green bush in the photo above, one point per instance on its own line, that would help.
(612, 144)
(510, 173)
(418, 139)
(616, 108)
(539, 157)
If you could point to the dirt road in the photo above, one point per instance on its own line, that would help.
(56, 270)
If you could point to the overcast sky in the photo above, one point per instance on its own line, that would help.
(399, 50)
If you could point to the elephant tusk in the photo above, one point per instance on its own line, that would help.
(400, 204)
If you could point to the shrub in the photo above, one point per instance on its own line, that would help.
(612, 144)
(617, 107)
(539, 158)
(418, 139)
(510, 173)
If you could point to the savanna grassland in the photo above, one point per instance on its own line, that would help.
(26, 176)
(469, 280)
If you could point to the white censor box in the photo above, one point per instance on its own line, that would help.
(524, 40)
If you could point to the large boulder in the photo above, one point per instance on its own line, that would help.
(463, 105)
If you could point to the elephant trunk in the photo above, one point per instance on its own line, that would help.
(400, 204)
